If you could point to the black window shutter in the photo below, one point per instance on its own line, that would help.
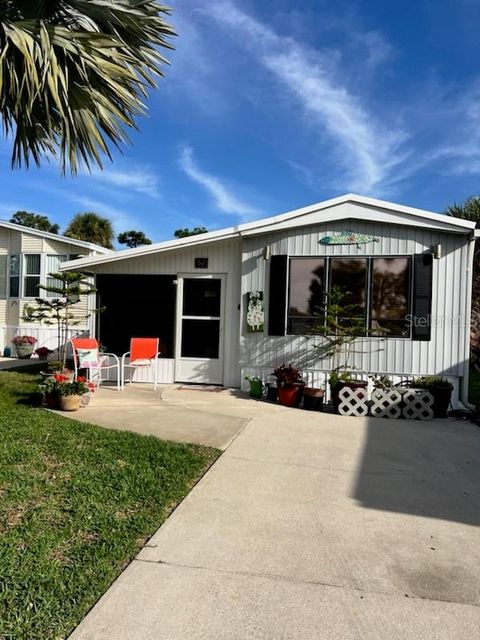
(422, 296)
(277, 300)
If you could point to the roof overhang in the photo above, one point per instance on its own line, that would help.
(369, 209)
(54, 236)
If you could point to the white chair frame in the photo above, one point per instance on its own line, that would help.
(142, 363)
(101, 367)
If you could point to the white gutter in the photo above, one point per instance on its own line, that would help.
(468, 314)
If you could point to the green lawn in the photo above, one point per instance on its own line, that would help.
(76, 504)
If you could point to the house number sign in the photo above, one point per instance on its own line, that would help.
(201, 263)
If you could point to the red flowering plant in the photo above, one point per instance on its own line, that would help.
(287, 375)
(62, 385)
(43, 352)
(24, 340)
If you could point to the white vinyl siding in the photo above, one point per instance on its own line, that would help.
(223, 258)
(444, 354)
(52, 265)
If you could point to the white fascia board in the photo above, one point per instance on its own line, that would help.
(152, 249)
(332, 210)
(389, 212)
(337, 214)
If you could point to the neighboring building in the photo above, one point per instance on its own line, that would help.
(409, 272)
(27, 256)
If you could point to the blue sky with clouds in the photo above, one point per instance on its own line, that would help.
(269, 106)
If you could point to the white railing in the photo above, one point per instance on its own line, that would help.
(46, 336)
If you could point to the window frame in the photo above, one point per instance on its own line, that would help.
(24, 275)
(368, 293)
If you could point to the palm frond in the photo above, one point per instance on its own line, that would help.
(74, 75)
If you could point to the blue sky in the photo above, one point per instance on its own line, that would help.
(269, 106)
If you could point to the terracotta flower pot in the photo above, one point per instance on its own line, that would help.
(70, 403)
(290, 395)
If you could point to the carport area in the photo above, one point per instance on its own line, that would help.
(312, 527)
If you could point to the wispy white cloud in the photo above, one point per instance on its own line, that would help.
(459, 148)
(224, 199)
(368, 150)
(137, 179)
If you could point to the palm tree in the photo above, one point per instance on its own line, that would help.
(470, 210)
(91, 227)
(73, 74)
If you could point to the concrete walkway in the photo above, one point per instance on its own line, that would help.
(172, 413)
(314, 527)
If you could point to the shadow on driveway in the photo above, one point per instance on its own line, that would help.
(430, 469)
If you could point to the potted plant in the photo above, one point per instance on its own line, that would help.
(289, 385)
(24, 346)
(313, 398)
(441, 390)
(339, 380)
(50, 390)
(43, 352)
(256, 387)
(70, 392)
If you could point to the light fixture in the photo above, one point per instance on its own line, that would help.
(437, 251)
(266, 253)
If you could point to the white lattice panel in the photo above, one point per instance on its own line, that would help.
(386, 403)
(353, 402)
(418, 405)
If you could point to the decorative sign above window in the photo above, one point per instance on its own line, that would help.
(201, 263)
(255, 313)
(349, 237)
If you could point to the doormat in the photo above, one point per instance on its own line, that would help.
(200, 387)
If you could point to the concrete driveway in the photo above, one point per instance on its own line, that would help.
(314, 527)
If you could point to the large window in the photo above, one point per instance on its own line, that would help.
(390, 302)
(307, 294)
(32, 272)
(375, 294)
(14, 276)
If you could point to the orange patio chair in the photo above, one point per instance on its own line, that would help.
(143, 353)
(86, 355)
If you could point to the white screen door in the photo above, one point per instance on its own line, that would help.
(198, 349)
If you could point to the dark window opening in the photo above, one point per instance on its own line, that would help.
(374, 293)
(136, 306)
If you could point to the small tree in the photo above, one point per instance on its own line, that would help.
(133, 238)
(184, 233)
(68, 290)
(341, 323)
(34, 221)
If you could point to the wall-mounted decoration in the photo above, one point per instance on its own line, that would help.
(201, 263)
(255, 312)
(349, 237)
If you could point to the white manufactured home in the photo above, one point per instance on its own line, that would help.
(242, 300)
(27, 256)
